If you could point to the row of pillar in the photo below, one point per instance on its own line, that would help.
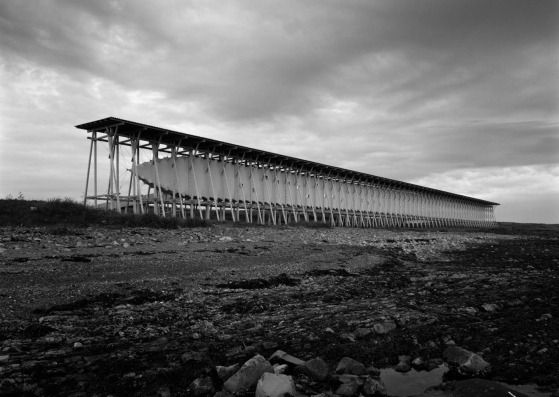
(346, 202)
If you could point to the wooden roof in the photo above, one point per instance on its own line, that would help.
(168, 137)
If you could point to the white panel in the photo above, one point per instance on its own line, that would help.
(198, 177)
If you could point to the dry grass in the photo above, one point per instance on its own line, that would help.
(63, 213)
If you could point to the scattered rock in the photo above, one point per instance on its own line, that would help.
(544, 317)
(418, 362)
(141, 340)
(470, 310)
(489, 307)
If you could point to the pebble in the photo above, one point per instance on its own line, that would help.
(202, 387)
(384, 328)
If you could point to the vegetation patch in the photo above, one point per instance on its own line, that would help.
(62, 216)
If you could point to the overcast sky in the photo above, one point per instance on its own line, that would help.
(458, 95)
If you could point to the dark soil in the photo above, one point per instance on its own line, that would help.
(108, 311)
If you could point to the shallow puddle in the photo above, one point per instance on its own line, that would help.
(415, 382)
(412, 382)
(529, 390)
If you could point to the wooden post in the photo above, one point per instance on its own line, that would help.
(155, 151)
(88, 169)
(94, 137)
(117, 173)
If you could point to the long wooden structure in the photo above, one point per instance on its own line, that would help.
(201, 177)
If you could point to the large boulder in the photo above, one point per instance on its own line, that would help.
(247, 375)
(274, 385)
(466, 361)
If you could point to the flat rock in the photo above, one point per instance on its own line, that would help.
(348, 365)
(275, 385)
(282, 357)
(248, 375)
(466, 361)
(316, 369)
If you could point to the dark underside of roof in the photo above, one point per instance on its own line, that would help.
(131, 129)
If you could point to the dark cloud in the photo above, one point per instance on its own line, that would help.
(392, 87)
(275, 59)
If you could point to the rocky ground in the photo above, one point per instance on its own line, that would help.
(146, 312)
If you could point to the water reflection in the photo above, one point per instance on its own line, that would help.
(415, 382)
(412, 382)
